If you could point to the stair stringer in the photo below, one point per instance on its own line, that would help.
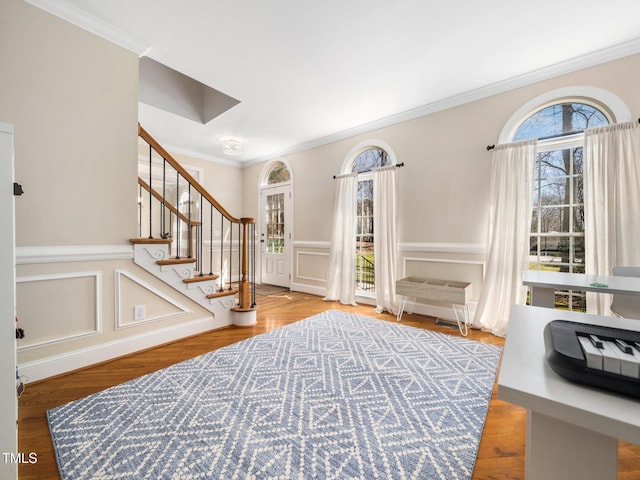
(146, 256)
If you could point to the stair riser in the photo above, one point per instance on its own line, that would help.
(206, 288)
(182, 271)
(146, 256)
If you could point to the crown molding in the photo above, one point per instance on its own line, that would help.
(92, 24)
(88, 22)
(585, 61)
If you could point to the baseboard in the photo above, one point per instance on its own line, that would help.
(311, 289)
(74, 360)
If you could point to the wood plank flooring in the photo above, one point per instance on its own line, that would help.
(501, 453)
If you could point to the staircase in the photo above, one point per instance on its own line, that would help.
(188, 240)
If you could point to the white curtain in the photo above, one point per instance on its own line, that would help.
(612, 203)
(385, 194)
(341, 278)
(511, 191)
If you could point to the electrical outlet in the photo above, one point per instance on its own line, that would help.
(139, 312)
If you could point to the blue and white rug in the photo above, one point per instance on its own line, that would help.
(334, 396)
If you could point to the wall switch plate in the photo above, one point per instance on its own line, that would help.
(139, 312)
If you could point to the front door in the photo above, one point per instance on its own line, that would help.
(275, 237)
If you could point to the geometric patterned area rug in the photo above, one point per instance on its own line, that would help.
(334, 396)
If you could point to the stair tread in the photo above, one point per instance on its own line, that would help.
(176, 261)
(150, 241)
(223, 293)
(201, 278)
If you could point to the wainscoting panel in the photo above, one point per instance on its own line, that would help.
(311, 262)
(54, 308)
(454, 266)
(445, 269)
(448, 261)
(312, 266)
(157, 306)
(76, 305)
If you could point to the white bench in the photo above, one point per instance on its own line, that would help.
(436, 291)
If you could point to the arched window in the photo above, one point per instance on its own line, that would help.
(369, 159)
(363, 164)
(279, 173)
(560, 119)
(557, 240)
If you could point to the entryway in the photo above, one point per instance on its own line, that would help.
(276, 225)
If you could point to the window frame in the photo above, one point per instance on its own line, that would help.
(608, 103)
(347, 168)
(552, 144)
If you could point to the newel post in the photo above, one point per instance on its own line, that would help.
(245, 285)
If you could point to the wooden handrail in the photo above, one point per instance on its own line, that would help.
(170, 206)
(246, 302)
(180, 169)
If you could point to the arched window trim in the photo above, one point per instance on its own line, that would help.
(608, 103)
(542, 239)
(266, 170)
(347, 163)
(367, 279)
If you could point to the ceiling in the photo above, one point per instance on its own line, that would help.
(307, 73)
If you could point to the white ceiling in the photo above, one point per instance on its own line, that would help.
(311, 72)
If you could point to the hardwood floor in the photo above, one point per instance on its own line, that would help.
(501, 453)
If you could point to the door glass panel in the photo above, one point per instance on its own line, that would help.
(275, 223)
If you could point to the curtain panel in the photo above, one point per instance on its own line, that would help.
(507, 256)
(612, 203)
(385, 200)
(341, 277)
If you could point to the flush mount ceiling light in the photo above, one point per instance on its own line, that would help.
(231, 145)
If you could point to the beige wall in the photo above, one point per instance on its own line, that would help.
(73, 100)
(444, 186)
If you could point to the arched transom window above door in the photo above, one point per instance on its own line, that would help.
(279, 173)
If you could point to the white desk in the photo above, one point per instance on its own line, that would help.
(572, 430)
(543, 284)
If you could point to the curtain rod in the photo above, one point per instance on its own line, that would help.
(491, 147)
(397, 165)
